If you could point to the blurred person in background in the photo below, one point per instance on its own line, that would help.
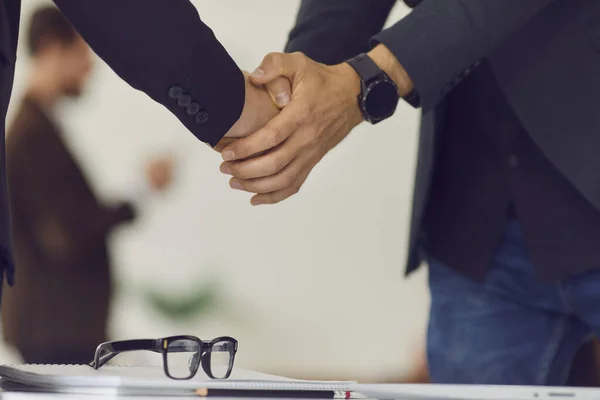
(59, 310)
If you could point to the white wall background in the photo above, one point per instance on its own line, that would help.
(308, 282)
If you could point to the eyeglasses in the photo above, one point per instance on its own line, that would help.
(182, 355)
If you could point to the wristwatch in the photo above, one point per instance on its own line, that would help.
(379, 95)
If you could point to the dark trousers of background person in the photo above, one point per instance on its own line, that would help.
(58, 311)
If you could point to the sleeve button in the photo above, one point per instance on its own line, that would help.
(202, 117)
(192, 108)
(175, 92)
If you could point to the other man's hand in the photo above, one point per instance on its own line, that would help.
(322, 111)
(275, 161)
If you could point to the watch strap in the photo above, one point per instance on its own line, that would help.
(365, 67)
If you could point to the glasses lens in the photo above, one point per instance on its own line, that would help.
(221, 358)
(183, 356)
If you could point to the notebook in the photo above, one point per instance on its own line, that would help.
(146, 379)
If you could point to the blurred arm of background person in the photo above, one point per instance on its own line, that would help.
(423, 53)
(156, 177)
(56, 238)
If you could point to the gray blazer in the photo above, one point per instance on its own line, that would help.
(544, 53)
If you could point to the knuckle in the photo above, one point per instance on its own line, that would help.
(304, 112)
(300, 59)
(288, 180)
(298, 56)
(270, 57)
(273, 165)
(238, 148)
(274, 137)
(272, 60)
(244, 150)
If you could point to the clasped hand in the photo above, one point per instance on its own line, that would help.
(317, 107)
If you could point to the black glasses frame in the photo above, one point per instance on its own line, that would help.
(109, 350)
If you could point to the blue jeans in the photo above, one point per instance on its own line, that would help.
(510, 329)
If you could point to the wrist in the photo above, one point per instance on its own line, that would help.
(389, 64)
(237, 128)
(351, 83)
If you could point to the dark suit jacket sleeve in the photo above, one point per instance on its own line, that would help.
(439, 42)
(157, 44)
(334, 30)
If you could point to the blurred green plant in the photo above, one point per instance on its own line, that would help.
(178, 306)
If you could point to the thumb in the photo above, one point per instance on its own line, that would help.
(280, 91)
(275, 65)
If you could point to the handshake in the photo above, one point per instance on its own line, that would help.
(296, 110)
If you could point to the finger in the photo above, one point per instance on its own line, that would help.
(275, 65)
(280, 195)
(281, 180)
(223, 143)
(275, 132)
(267, 164)
(280, 91)
(273, 197)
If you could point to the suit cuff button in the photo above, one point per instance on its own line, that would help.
(184, 100)
(192, 109)
(202, 117)
(175, 92)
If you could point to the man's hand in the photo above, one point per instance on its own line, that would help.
(259, 109)
(322, 110)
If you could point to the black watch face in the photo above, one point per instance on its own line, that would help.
(381, 99)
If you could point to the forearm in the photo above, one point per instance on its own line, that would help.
(331, 31)
(70, 241)
(388, 63)
(155, 45)
(440, 42)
